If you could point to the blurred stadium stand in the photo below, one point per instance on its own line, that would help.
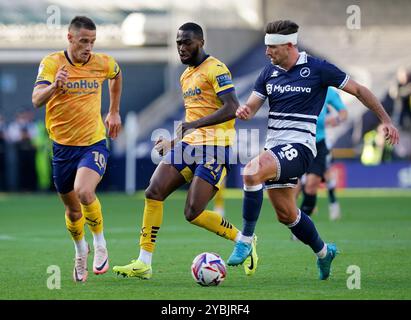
(141, 36)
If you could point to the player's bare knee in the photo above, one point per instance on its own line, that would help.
(283, 216)
(251, 179)
(72, 214)
(85, 195)
(154, 192)
(191, 212)
(252, 175)
(284, 219)
(311, 188)
(252, 169)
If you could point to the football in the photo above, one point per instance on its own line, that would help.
(208, 269)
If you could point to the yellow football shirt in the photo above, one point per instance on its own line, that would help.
(73, 113)
(201, 86)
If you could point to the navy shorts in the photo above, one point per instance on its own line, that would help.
(292, 162)
(319, 164)
(211, 163)
(67, 159)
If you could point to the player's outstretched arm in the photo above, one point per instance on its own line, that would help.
(371, 102)
(247, 111)
(113, 119)
(225, 113)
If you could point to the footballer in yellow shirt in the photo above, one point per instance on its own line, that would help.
(73, 114)
(202, 87)
(69, 84)
(202, 158)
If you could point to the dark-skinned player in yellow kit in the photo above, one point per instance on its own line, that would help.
(202, 157)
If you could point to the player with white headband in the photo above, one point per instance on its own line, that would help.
(273, 39)
(295, 85)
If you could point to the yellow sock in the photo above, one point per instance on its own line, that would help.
(76, 228)
(93, 216)
(213, 222)
(152, 219)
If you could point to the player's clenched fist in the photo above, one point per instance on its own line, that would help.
(162, 146)
(243, 112)
(390, 133)
(61, 76)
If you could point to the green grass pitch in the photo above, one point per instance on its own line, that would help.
(374, 234)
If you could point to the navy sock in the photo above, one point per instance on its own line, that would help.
(309, 202)
(331, 195)
(251, 209)
(304, 229)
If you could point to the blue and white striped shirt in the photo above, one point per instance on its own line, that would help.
(296, 97)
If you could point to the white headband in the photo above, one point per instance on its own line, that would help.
(272, 39)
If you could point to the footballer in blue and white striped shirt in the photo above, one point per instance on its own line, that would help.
(295, 85)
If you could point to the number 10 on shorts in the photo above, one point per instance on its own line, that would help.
(99, 160)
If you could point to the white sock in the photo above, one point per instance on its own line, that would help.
(323, 252)
(98, 239)
(238, 236)
(81, 247)
(252, 188)
(246, 239)
(145, 256)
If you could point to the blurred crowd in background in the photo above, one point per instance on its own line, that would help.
(25, 149)
(370, 42)
(25, 153)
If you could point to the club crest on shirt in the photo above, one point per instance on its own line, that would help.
(305, 72)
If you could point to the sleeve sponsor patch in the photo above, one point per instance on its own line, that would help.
(224, 80)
